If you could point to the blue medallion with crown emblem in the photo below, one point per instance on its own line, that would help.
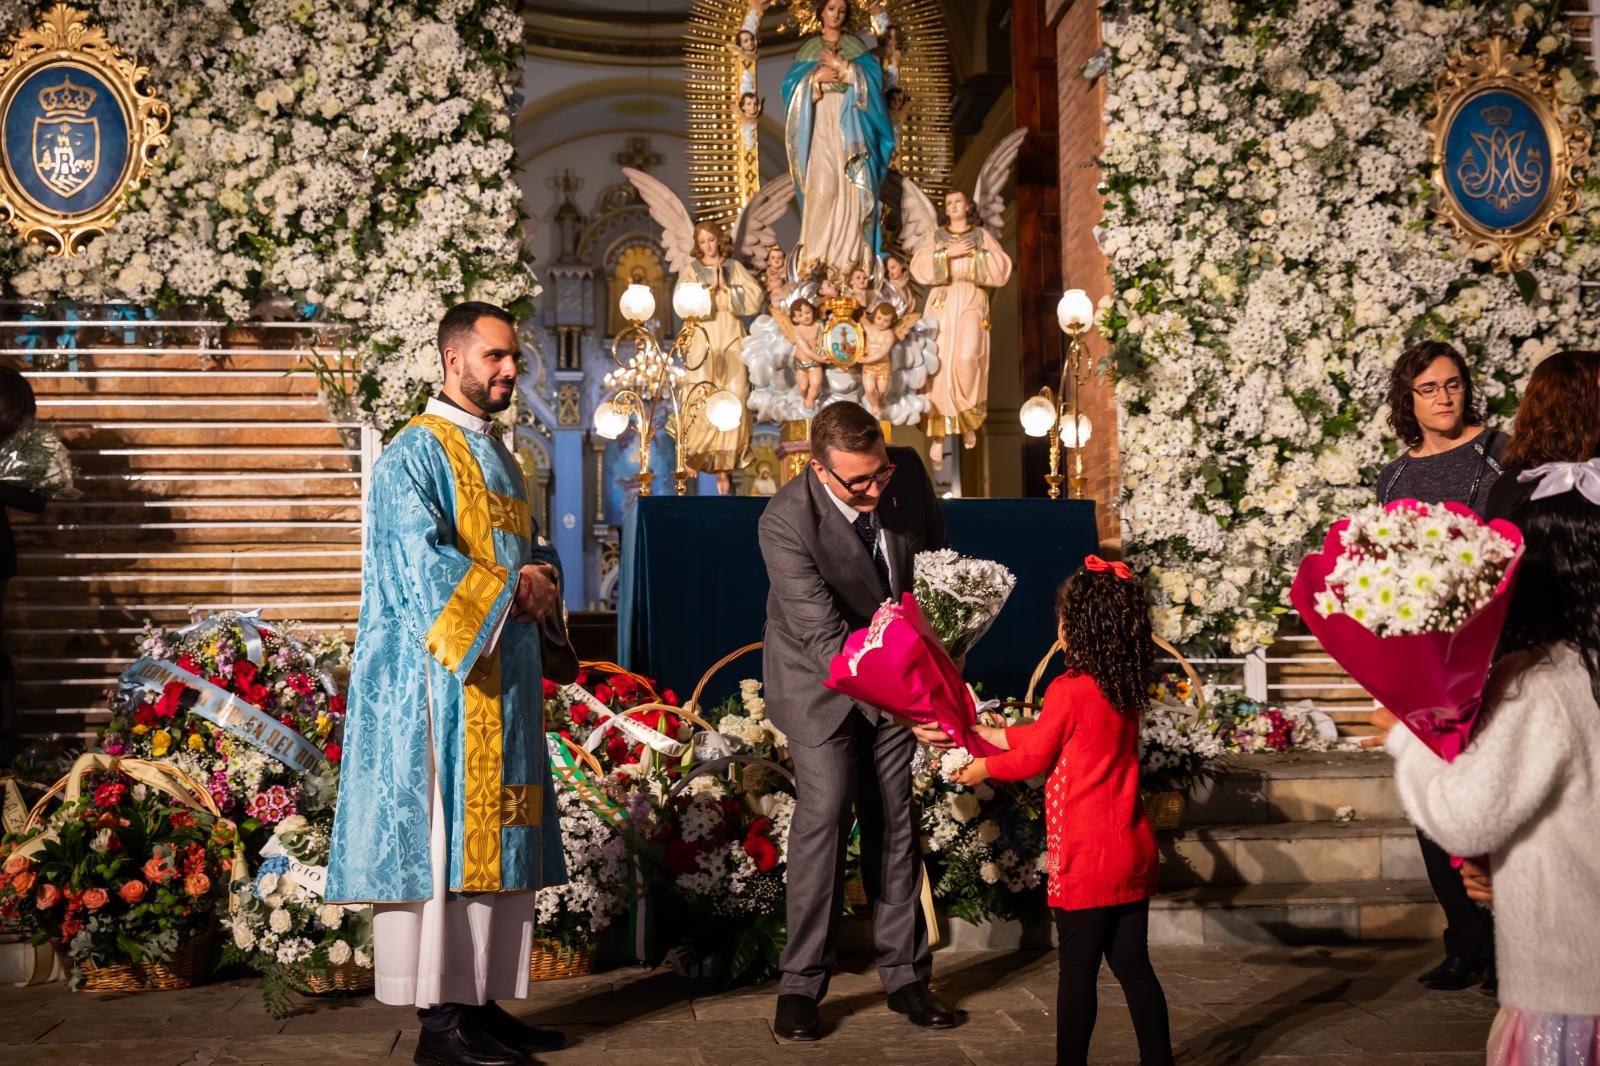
(64, 139)
(1498, 160)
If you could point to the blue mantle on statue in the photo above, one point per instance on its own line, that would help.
(693, 586)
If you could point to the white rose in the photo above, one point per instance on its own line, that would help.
(330, 915)
(964, 807)
(267, 885)
(339, 953)
(280, 922)
(243, 936)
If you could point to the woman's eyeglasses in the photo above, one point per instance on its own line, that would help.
(1453, 387)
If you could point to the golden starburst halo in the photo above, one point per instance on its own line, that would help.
(803, 18)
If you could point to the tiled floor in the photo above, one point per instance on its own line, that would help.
(1349, 1006)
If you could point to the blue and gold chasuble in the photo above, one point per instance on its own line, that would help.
(449, 530)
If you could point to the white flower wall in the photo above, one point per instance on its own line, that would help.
(352, 155)
(1268, 226)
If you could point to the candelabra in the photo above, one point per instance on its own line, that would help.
(1048, 414)
(652, 377)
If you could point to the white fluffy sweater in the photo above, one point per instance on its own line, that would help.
(1526, 792)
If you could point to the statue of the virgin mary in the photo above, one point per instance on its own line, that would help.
(840, 141)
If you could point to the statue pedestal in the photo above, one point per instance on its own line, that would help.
(794, 448)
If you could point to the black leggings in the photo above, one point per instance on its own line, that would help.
(1120, 935)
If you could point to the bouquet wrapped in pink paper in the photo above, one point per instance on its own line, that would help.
(898, 664)
(1410, 599)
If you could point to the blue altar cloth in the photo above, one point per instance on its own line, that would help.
(693, 586)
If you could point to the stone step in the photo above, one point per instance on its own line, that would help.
(1289, 853)
(241, 358)
(238, 430)
(90, 514)
(90, 588)
(244, 408)
(1303, 913)
(201, 482)
(155, 385)
(1297, 787)
(163, 536)
(178, 459)
(236, 558)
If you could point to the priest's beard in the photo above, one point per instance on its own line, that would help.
(477, 390)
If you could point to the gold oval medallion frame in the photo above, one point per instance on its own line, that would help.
(1493, 64)
(65, 35)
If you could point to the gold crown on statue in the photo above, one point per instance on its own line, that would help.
(67, 98)
(803, 17)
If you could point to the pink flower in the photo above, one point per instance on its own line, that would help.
(131, 892)
(95, 898)
(16, 863)
(49, 896)
(272, 805)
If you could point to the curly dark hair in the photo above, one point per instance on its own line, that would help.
(17, 405)
(1558, 584)
(1106, 620)
(1558, 420)
(1402, 403)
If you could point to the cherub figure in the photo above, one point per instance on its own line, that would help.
(899, 278)
(749, 117)
(861, 285)
(776, 277)
(744, 45)
(800, 325)
(884, 328)
(898, 104)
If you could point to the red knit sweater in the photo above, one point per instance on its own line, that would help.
(1102, 851)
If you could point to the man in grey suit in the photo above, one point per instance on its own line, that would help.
(838, 541)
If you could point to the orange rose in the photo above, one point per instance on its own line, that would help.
(23, 882)
(49, 896)
(157, 871)
(132, 892)
(197, 884)
(16, 863)
(95, 898)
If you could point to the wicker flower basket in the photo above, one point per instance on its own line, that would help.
(345, 977)
(1164, 809)
(188, 965)
(551, 961)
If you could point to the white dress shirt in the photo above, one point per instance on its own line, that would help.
(850, 515)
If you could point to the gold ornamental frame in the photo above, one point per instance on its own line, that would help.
(1493, 64)
(65, 36)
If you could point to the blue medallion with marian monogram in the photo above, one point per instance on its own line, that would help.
(1498, 160)
(64, 139)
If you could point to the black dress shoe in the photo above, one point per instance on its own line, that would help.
(926, 1010)
(515, 1033)
(797, 1018)
(1491, 983)
(465, 1045)
(1453, 974)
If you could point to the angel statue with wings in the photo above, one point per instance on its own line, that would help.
(961, 261)
(839, 139)
(701, 253)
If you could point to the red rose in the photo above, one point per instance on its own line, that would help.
(258, 694)
(218, 680)
(670, 698)
(49, 896)
(617, 751)
(579, 714)
(334, 752)
(336, 704)
(244, 673)
(550, 689)
(625, 686)
(604, 694)
(187, 663)
(583, 677)
(131, 892)
(95, 898)
(682, 858)
(109, 794)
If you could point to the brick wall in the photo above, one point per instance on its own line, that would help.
(1079, 105)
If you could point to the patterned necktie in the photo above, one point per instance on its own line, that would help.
(866, 525)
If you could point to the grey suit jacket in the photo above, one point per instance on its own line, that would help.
(824, 587)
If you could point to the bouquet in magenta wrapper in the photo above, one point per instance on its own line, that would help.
(902, 663)
(1410, 599)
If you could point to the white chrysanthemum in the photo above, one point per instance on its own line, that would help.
(330, 915)
(280, 921)
(339, 952)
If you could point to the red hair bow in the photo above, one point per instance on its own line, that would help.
(1097, 565)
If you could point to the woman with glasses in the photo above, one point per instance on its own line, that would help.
(1449, 455)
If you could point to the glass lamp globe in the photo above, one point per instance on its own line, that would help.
(692, 301)
(610, 420)
(724, 410)
(638, 303)
(1075, 312)
(1075, 437)
(1037, 415)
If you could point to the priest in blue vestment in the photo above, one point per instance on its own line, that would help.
(447, 821)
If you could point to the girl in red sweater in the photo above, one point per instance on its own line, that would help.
(1102, 852)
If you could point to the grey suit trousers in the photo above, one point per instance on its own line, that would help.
(863, 769)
